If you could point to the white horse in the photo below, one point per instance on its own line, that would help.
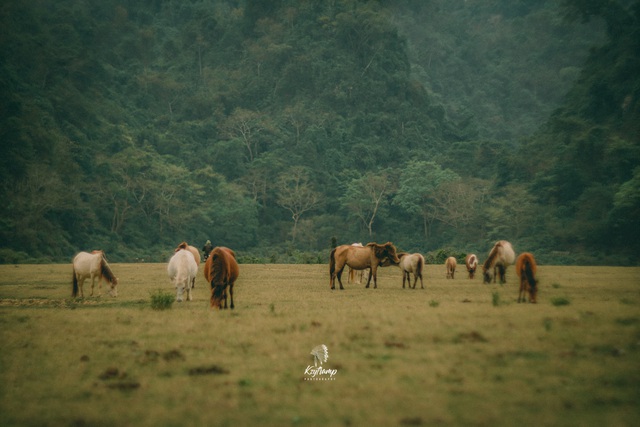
(196, 256)
(411, 263)
(182, 271)
(91, 265)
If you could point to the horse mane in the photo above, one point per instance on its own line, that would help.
(105, 271)
(221, 270)
(492, 256)
(182, 245)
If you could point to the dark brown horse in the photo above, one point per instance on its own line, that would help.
(360, 258)
(500, 257)
(526, 270)
(221, 271)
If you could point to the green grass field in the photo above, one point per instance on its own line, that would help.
(456, 353)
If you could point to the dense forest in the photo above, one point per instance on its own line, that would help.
(277, 127)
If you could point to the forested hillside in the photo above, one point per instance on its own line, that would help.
(275, 127)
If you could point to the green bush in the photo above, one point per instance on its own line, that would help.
(495, 299)
(560, 301)
(161, 300)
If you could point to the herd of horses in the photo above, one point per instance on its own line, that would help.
(221, 269)
(373, 255)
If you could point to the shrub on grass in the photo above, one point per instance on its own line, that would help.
(495, 299)
(560, 301)
(161, 300)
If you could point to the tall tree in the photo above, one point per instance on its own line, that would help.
(366, 195)
(296, 194)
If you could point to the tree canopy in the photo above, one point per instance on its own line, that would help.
(273, 127)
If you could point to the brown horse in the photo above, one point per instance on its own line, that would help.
(221, 271)
(526, 269)
(500, 257)
(471, 262)
(360, 258)
(450, 264)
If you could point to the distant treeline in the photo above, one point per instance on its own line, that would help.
(275, 127)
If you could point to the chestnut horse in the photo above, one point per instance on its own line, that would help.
(221, 271)
(196, 256)
(500, 257)
(182, 270)
(472, 263)
(411, 263)
(526, 269)
(91, 265)
(360, 258)
(450, 264)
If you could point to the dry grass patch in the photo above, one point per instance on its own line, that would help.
(444, 355)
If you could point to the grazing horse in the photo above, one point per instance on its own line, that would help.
(360, 258)
(221, 271)
(472, 263)
(526, 270)
(411, 263)
(182, 270)
(450, 264)
(196, 256)
(91, 265)
(500, 257)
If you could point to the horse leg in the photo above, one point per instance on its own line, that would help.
(374, 273)
(415, 280)
(421, 283)
(231, 294)
(369, 278)
(404, 278)
(520, 291)
(339, 276)
(93, 283)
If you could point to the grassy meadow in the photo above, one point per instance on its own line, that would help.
(455, 353)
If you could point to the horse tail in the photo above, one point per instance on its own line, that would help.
(74, 288)
(528, 271)
(332, 262)
(420, 266)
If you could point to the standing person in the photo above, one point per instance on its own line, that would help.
(207, 248)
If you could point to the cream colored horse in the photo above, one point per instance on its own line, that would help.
(92, 265)
(411, 263)
(450, 264)
(182, 270)
(500, 257)
(196, 256)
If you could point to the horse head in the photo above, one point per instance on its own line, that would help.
(385, 253)
(114, 287)
(487, 276)
(218, 293)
